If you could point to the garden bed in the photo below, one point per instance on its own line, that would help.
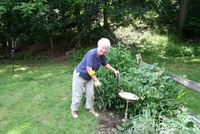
(109, 125)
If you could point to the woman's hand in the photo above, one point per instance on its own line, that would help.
(116, 72)
(97, 83)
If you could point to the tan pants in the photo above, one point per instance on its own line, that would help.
(79, 85)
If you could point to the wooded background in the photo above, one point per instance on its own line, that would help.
(79, 23)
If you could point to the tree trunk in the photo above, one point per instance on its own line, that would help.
(77, 11)
(52, 46)
(105, 18)
(183, 10)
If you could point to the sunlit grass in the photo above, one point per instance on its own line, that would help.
(191, 100)
(38, 98)
(196, 60)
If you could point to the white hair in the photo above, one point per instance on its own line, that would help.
(104, 41)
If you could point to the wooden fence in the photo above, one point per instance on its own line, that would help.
(183, 81)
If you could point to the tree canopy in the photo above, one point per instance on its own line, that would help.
(83, 22)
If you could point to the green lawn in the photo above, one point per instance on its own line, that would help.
(36, 99)
(188, 67)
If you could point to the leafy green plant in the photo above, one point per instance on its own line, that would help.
(196, 49)
(81, 52)
(179, 50)
(152, 44)
(71, 55)
(156, 90)
(29, 56)
(19, 56)
(120, 58)
(146, 123)
(172, 50)
(165, 45)
(182, 123)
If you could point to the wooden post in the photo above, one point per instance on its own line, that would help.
(139, 58)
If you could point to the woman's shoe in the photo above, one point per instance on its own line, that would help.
(93, 112)
(74, 114)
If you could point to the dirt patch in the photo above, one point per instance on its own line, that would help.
(109, 124)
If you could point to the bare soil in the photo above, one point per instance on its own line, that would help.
(108, 124)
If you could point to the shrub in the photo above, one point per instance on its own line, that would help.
(166, 45)
(196, 49)
(19, 56)
(120, 58)
(172, 50)
(181, 50)
(28, 56)
(156, 90)
(152, 44)
(159, 94)
(81, 52)
(78, 54)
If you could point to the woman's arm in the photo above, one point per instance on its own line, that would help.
(89, 70)
(108, 66)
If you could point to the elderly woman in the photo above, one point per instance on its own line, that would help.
(84, 76)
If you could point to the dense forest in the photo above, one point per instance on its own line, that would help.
(67, 24)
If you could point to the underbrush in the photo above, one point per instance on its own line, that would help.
(148, 42)
(155, 90)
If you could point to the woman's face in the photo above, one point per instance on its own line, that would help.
(103, 49)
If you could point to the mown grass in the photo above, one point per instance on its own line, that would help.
(36, 98)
